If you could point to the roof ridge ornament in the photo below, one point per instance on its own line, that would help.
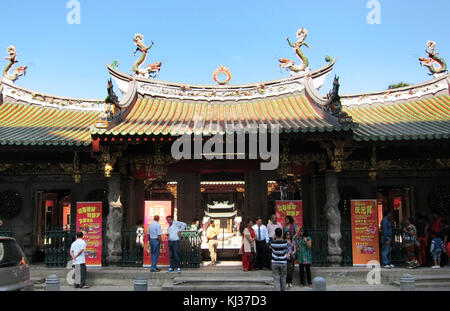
(435, 64)
(334, 105)
(222, 71)
(289, 64)
(20, 71)
(151, 70)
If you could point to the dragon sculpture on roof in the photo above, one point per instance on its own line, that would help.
(435, 64)
(151, 70)
(20, 71)
(289, 64)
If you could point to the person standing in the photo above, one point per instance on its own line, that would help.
(303, 247)
(248, 248)
(139, 242)
(262, 239)
(445, 237)
(436, 224)
(436, 250)
(279, 249)
(422, 238)
(409, 244)
(154, 233)
(386, 240)
(211, 234)
(174, 234)
(271, 227)
(290, 257)
(77, 250)
(289, 225)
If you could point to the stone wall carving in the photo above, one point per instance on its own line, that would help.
(333, 216)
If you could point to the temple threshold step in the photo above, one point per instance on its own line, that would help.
(217, 287)
(222, 280)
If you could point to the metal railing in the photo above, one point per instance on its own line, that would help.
(319, 239)
(190, 249)
(132, 254)
(57, 246)
(6, 232)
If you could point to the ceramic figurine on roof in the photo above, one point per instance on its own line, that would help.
(151, 70)
(20, 71)
(435, 64)
(289, 64)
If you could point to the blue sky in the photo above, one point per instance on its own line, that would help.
(193, 38)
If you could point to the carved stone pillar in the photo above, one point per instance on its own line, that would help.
(114, 222)
(333, 217)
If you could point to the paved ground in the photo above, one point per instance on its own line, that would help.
(295, 288)
(338, 278)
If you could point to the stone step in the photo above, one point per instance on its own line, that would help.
(222, 280)
(430, 285)
(217, 287)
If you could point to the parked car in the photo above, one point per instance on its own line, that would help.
(14, 268)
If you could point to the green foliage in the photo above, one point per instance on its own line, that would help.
(398, 85)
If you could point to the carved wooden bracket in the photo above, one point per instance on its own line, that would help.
(336, 153)
(108, 159)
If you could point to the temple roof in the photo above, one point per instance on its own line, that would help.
(41, 126)
(415, 112)
(161, 108)
(34, 119)
(150, 107)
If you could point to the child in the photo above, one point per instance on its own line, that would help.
(290, 256)
(437, 247)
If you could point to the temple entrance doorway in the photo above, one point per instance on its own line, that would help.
(53, 213)
(223, 201)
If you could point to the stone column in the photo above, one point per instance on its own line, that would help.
(333, 216)
(114, 222)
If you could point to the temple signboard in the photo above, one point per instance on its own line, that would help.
(365, 232)
(289, 208)
(89, 221)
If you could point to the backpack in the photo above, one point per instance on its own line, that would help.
(438, 244)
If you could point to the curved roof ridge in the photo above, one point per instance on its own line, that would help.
(314, 73)
(23, 95)
(409, 93)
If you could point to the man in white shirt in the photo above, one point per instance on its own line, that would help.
(77, 250)
(272, 226)
(262, 239)
(174, 233)
(154, 233)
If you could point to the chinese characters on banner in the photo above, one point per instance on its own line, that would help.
(364, 232)
(162, 209)
(89, 221)
(289, 208)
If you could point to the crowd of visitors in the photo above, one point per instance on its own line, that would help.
(279, 248)
(423, 243)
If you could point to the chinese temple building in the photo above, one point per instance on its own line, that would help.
(393, 146)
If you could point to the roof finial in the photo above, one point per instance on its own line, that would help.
(289, 64)
(435, 64)
(152, 70)
(20, 71)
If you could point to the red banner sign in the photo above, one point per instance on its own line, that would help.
(364, 232)
(289, 208)
(162, 209)
(89, 221)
